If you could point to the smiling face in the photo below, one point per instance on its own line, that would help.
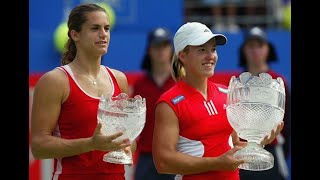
(94, 36)
(200, 61)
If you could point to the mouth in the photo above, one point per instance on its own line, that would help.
(209, 64)
(102, 42)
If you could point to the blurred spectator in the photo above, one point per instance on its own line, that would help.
(256, 53)
(251, 11)
(278, 10)
(229, 24)
(156, 80)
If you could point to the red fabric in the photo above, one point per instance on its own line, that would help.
(132, 77)
(78, 119)
(203, 121)
(147, 88)
(34, 170)
(119, 176)
(223, 77)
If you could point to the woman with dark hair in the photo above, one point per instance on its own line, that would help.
(256, 54)
(64, 123)
(155, 80)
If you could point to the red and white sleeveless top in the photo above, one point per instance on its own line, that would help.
(203, 124)
(78, 119)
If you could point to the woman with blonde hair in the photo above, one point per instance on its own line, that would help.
(192, 136)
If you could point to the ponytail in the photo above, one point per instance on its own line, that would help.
(70, 52)
(177, 71)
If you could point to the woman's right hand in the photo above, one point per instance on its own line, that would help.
(227, 160)
(106, 143)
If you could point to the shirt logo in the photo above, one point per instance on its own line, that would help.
(223, 90)
(210, 108)
(177, 99)
(206, 30)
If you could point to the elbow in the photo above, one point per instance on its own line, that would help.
(161, 165)
(36, 149)
(35, 153)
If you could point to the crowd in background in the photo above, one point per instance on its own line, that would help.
(233, 15)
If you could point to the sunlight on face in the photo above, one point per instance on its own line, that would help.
(200, 61)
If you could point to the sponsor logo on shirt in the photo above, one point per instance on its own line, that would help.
(177, 99)
(223, 90)
(210, 107)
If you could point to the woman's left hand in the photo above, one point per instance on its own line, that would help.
(274, 133)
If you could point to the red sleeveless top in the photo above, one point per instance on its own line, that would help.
(78, 119)
(204, 130)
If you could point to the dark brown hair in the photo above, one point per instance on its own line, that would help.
(77, 17)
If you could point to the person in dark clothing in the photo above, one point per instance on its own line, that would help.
(155, 80)
(255, 55)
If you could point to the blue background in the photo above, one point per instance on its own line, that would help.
(128, 37)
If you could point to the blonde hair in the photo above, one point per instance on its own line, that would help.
(177, 69)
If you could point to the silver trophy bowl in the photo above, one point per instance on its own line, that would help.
(121, 114)
(255, 106)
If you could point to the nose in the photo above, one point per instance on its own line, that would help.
(104, 33)
(211, 55)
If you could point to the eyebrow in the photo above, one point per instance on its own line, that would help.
(98, 25)
(204, 46)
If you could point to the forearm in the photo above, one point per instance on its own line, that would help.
(46, 147)
(179, 163)
(134, 146)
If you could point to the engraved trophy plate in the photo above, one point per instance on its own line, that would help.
(124, 114)
(255, 106)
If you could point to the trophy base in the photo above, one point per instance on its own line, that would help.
(117, 157)
(256, 158)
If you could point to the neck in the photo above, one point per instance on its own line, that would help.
(160, 73)
(198, 83)
(256, 70)
(89, 66)
(159, 68)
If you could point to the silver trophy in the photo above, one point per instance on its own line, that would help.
(121, 114)
(255, 106)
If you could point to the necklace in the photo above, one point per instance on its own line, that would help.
(94, 81)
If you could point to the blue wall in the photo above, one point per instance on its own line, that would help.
(128, 37)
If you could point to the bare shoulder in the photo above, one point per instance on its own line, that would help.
(53, 77)
(54, 81)
(121, 79)
(119, 74)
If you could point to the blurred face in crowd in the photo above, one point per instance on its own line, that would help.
(200, 61)
(94, 36)
(161, 52)
(256, 52)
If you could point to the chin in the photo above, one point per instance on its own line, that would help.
(103, 51)
(209, 74)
